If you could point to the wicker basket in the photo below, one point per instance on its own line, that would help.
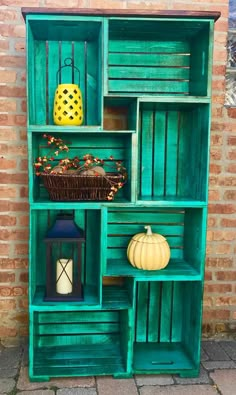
(73, 187)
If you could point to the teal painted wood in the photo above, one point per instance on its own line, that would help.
(30, 75)
(159, 70)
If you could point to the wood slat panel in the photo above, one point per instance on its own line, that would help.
(140, 86)
(142, 59)
(149, 46)
(148, 73)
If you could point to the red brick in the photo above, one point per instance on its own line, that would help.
(219, 262)
(11, 30)
(7, 164)
(219, 69)
(208, 276)
(5, 77)
(24, 277)
(16, 263)
(13, 206)
(216, 314)
(4, 45)
(231, 112)
(7, 105)
(76, 3)
(221, 208)
(23, 220)
(12, 91)
(8, 15)
(230, 195)
(19, 3)
(216, 154)
(7, 220)
(223, 249)
(226, 301)
(13, 149)
(6, 277)
(24, 164)
(16, 178)
(15, 234)
(228, 223)
(12, 120)
(7, 134)
(20, 46)
(4, 249)
(7, 304)
(8, 192)
(208, 301)
(215, 169)
(231, 168)
(21, 249)
(216, 139)
(12, 61)
(24, 191)
(214, 195)
(217, 288)
(23, 303)
(226, 276)
(7, 332)
(231, 155)
(231, 140)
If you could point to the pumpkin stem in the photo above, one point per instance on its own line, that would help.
(149, 230)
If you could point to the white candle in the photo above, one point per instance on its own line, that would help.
(64, 276)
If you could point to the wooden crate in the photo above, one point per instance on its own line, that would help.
(149, 75)
(161, 57)
(79, 343)
(50, 42)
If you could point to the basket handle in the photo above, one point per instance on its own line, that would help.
(66, 64)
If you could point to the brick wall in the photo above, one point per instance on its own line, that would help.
(220, 288)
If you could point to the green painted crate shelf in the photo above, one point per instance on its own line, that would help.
(79, 343)
(41, 220)
(173, 151)
(159, 56)
(146, 87)
(120, 145)
(167, 326)
(50, 42)
(182, 228)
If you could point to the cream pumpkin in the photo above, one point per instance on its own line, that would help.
(148, 251)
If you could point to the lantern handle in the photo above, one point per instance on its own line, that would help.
(66, 64)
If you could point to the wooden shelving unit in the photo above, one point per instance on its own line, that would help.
(157, 67)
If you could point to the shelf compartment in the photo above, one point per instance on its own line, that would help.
(79, 343)
(120, 145)
(40, 222)
(167, 327)
(173, 151)
(120, 113)
(163, 57)
(50, 42)
(182, 227)
(115, 298)
(177, 270)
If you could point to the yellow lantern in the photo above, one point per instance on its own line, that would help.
(68, 106)
(148, 251)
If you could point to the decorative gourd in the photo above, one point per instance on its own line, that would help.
(148, 251)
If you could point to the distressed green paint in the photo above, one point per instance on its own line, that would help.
(159, 70)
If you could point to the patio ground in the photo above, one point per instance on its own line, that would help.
(217, 376)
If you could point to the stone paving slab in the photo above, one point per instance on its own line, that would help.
(76, 391)
(203, 378)
(109, 386)
(212, 365)
(162, 379)
(179, 390)
(38, 392)
(230, 348)
(215, 351)
(7, 385)
(24, 383)
(225, 380)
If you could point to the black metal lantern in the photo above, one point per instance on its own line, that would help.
(64, 260)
